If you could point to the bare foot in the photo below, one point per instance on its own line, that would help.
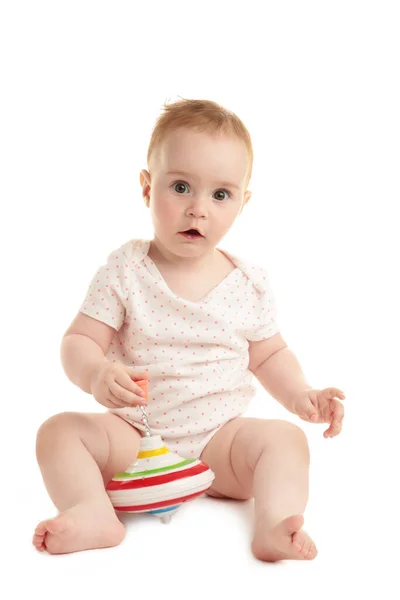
(285, 541)
(81, 527)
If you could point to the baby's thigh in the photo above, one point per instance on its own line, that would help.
(233, 452)
(112, 442)
(123, 440)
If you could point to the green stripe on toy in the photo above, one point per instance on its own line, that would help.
(126, 475)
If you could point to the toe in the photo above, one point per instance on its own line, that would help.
(41, 528)
(306, 548)
(311, 551)
(38, 542)
(297, 546)
(303, 544)
(303, 548)
(298, 540)
(39, 537)
(293, 524)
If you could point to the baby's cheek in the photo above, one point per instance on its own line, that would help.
(166, 210)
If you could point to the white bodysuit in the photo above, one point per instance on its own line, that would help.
(195, 353)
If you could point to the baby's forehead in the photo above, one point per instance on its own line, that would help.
(194, 151)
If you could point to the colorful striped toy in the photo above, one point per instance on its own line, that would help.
(158, 481)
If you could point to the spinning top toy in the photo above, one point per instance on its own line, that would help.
(158, 481)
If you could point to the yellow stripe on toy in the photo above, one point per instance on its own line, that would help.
(149, 453)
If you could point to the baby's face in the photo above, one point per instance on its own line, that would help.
(196, 180)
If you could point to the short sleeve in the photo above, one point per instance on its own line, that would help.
(106, 298)
(263, 322)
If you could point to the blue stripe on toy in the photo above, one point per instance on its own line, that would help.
(162, 510)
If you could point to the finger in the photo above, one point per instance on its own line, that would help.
(337, 409)
(133, 374)
(116, 403)
(113, 402)
(124, 403)
(313, 414)
(330, 409)
(139, 379)
(308, 412)
(334, 430)
(336, 418)
(124, 396)
(333, 392)
(125, 381)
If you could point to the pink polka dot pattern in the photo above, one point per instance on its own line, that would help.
(195, 353)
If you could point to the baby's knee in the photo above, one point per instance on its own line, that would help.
(292, 433)
(279, 433)
(54, 428)
(55, 422)
(287, 428)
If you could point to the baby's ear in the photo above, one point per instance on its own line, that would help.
(145, 183)
(247, 196)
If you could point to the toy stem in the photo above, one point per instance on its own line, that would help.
(143, 383)
(145, 422)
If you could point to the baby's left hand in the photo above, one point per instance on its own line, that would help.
(322, 406)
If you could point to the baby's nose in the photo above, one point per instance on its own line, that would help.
(198, 208)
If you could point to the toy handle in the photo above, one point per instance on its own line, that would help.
(144, 385)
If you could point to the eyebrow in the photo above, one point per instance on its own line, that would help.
(184, 174)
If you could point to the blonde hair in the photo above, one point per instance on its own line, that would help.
(200, 115)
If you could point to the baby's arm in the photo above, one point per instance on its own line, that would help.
(83, 349)
(278, 370)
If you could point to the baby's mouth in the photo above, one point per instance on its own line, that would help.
(192, 233)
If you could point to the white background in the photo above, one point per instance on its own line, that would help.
(317, 85)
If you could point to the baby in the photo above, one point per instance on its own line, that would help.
(199, 323)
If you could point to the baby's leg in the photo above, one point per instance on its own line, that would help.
(78, 454)
(267, 459)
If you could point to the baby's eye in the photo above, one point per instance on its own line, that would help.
(178, 187)
(223, 192)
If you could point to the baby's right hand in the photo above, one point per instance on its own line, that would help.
(112, 386)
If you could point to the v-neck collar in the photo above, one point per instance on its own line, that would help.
(207, 298)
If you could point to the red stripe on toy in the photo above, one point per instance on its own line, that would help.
(133, 484)
(158, 504)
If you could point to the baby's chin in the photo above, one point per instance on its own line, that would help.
(182, 246)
